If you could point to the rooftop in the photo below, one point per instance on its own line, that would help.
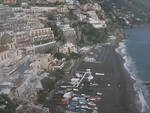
(3, 48)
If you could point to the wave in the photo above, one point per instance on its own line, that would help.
(129, 64)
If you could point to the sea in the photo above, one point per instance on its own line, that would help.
(135, 50)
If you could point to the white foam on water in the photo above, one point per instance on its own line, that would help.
(138, 86)
(144, 104)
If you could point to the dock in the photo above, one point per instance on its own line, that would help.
(147, 83)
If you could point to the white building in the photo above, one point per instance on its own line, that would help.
(43, 62)
(8, 54)
(29, 87)
(68, 48)
(95, 21)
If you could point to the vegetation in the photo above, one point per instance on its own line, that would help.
(48, 84)
(51, 16)
(58, 74)
(42, 97)
(59, 55)
(10, 107)
(58, 33)
(94, 35)
(41, 42)
(73, 56)
(89, 34)
(71, 16)
(137, 7)
(5, 39)
(83, 1)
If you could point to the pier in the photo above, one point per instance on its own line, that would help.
(147, 83)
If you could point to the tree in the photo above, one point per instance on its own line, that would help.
(58, 33)
(59, 55)
(83, 1)
(48, 84)
(6, 101)
(58, 74)
(73, 56)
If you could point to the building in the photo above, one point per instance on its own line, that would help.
(17, 24)
(68, 48)
(5, 87)
(55, 1)
(43, 40)
(9, 1)
(68, 32)
(28, 87)
(30, 108)
(9, 55)
(62, 9)
(22, 40)
(44, 62)
(70, 2)
(41, 36)
(89, 6)
(95, 21)
(4, 53)
(8, 52)
(33, 23)
(35, 41)
(5, 13)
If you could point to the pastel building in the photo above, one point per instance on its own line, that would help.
(9, 1)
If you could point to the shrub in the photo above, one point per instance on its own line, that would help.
(48, 84)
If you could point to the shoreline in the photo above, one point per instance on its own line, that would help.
(138, 87)
(122, 93)
(131, 81)
(131, 94)
(134, 95)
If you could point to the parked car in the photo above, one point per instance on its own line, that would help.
(99, 94)
(84, 107)
(91, 103)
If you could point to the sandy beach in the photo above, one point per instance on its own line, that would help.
(119, 97)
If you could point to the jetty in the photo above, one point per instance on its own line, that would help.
(147, 83)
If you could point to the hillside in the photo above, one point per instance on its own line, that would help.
(136, 11)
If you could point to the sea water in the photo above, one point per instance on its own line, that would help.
(135, 50)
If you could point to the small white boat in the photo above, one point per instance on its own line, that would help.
(99, 74)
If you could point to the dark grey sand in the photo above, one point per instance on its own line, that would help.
(120, 96)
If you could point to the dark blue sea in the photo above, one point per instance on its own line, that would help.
(135, 50)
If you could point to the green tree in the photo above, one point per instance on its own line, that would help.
(10, 107)
(59, 55)
(48, 84)
(58, 74)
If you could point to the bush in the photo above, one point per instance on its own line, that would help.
(59, 55)
(10, 106)
(48, 84)
(83, 1)
(42, 97)
(90, 34)
(51, 16)
(58, 33)
(74, 56)
(58, 74)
